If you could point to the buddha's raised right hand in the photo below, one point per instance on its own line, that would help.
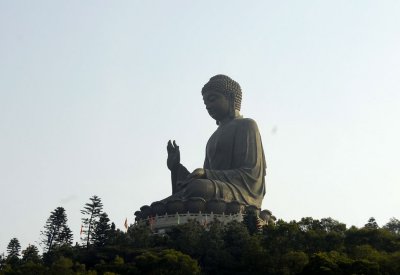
(174, 155)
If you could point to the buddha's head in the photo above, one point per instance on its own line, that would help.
(222, 97)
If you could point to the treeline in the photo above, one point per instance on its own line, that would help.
(308, 246)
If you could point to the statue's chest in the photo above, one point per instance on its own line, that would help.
(221, 143)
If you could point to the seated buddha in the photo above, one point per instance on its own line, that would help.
(234, 166)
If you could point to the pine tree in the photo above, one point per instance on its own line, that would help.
(102, 230)
(92, 211)
(56, 231)
(13, 248)
(31, 254)
(371, 224)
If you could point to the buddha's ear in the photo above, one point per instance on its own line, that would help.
(232, 105)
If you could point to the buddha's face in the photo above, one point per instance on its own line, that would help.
(217, 104)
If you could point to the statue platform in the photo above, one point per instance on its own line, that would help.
(160, 223)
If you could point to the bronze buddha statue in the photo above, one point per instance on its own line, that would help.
(234, 168)
(232, 180)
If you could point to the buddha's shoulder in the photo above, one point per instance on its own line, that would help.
(246, 122)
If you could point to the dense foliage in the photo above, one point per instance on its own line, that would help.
(56, 231)
(308, 246)
(92, 212)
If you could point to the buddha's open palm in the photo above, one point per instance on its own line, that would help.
(174, 155)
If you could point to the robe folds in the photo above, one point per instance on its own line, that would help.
(235, 161)
(234, 164)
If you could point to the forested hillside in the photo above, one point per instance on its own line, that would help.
(308, 246)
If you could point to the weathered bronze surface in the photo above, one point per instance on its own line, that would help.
(233, 174)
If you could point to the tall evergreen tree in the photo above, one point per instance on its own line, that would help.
(13, 248)
(102, 230)
(92, 211)
(56, 231)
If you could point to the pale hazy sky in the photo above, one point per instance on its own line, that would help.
(90, 92)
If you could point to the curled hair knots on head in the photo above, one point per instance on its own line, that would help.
(226, 85)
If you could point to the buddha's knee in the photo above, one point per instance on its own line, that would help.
(200, 188)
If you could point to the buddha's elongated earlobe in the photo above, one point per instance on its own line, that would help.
(231, 105)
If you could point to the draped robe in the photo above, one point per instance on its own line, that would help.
(234, 165)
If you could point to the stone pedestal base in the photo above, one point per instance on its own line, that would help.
(161, 224)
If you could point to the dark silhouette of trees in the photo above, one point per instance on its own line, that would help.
(101, 231)
(187, 238)
(252, 221)
(56, 231)
(308, 246)
(31, 254)
(393, 226)
(13, 248)
(139, 236)
(168, 261)
(13, 254)
(92, 211)
(371, 224)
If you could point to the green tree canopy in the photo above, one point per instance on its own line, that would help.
(31, 254)
(393, 226)
(167, 261)
(371, 224)
(101, 231)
